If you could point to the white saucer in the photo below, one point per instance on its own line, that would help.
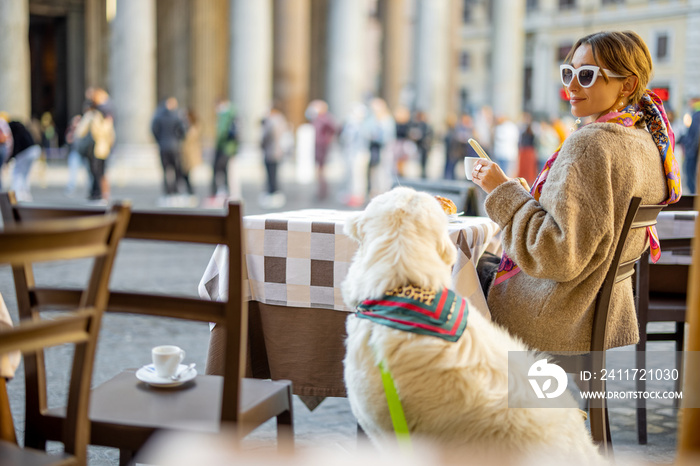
(148, 375)
(454, 218)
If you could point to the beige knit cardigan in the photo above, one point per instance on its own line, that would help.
(565, 242)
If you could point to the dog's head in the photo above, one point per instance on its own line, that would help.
(403, 239)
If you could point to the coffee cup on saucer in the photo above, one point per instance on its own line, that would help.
(166, 359)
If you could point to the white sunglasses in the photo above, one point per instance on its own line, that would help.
(585, 75)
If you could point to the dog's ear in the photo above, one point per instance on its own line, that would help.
(447, 250)
(353, 226)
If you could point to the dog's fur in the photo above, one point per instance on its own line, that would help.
(452, 393)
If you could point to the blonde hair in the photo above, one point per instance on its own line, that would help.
(623, 53)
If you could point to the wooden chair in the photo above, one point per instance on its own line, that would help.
(638, 216)
(60, 240)
(662, 297)
(124, 414)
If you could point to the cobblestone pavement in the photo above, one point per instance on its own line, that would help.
(126, 340)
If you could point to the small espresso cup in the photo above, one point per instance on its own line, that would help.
(469, 166)
(166, 358)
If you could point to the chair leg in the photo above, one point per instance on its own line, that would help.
(285, 426)
(600, 427)
(7, 426)
(680, 339)
(641, 387)
(125, 457)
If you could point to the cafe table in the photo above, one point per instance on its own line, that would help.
(296, 262)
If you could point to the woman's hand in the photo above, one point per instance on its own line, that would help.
(488, 175)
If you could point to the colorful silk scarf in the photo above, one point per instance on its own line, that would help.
(426, 312)
(652, 110)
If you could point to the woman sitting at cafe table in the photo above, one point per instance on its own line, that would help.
(559, 238)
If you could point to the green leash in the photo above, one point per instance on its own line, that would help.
(398, 419)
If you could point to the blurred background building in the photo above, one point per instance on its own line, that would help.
(440, 56)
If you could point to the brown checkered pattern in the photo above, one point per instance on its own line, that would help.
(300, 258)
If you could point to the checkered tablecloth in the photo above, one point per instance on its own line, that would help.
(676, 225)
(300, 258)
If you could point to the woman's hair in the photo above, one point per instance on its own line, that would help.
(623, 53)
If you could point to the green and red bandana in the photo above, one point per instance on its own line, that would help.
(419, 310)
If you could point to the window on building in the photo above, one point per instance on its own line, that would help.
(464, 60)
(563, 51)
(527, 86)
(467, 11)
(532, 5)
(662, 49)
(567, 4)
(464, 100)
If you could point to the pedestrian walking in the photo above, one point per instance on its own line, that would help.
(353, 147)
(169, 129)
(74, 160)
(5, 141)
(380, 133)
(226, 147)
(191, 153)
(325, 128)
(421, 133)
(25, 150)
(404, 148)
(691, 145)
(95, 138)
(274, 130)
(506, 136)
(527, 154)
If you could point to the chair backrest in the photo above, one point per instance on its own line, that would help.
(455, 190)
(638, 216)
(220, 227)
(22, 245)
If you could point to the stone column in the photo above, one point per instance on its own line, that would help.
(346, 73)
(432, 63)
(172, 50)
(133, 79)
(544, 91)
(133, 88)
(209, 45)
(319, 46)
(291, 64)
(15, 94)
(250, 77)
(396, 46)
(507, 58)
(97, 46)
(76, 61)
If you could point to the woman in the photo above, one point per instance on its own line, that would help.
(559, 238)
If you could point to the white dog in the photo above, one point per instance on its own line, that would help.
(454, 393)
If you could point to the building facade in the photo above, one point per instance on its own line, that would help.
(201, 51)
(550, 27)
(439, 56)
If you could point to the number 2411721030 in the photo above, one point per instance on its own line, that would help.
(632, 374)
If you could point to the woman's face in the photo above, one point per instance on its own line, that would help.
(597, 99)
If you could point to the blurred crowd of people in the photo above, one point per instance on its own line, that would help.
(378, 147)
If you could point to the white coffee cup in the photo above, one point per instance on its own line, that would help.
(166, 358)
(469, 166)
